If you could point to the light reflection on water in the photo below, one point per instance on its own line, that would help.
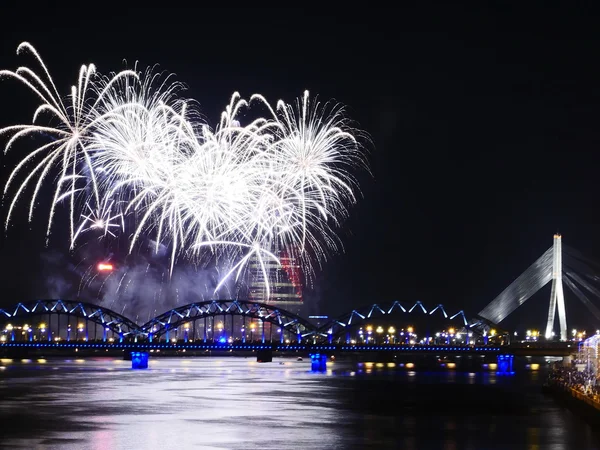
(231, 403)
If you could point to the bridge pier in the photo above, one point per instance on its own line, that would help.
(265, 355)
(139, 360)
(318, 362)
(505, 365)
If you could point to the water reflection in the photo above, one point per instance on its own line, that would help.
(232, 403)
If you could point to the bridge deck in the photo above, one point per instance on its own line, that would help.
(254, 347)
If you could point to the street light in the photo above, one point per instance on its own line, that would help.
(391, 331)
(379, 330)
(42, 328)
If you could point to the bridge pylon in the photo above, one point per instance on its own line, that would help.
(557, 298)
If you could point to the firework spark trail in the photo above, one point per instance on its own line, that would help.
(129, 150)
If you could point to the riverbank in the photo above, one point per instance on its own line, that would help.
(585, 406)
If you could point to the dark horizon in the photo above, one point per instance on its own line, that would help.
(482, 121)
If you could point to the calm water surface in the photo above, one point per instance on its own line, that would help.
(236, 403)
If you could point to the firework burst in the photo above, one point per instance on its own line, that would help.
(128, 156)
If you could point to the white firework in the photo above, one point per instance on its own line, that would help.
(128, 150)
(68, 147)
(106, 219)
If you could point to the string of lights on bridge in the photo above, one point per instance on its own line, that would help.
(242, 322)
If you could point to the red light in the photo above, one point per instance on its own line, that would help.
(105, 267)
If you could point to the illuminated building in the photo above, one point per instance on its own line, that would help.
(279, 284)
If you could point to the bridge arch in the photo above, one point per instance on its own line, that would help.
(285, 321)
(341, 328)
(110, 321)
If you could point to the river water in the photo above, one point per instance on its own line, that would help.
(237, 403)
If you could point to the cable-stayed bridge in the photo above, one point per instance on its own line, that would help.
(556, 265)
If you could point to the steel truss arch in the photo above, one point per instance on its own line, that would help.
(337, 326)
(181, 315)
(109, 319)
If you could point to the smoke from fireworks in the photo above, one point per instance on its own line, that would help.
(129, 157)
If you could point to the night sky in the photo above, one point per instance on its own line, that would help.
(483, 121)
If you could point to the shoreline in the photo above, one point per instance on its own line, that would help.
(578, 403)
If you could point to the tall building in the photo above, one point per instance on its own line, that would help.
(283, 283)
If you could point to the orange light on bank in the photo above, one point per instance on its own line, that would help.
(104, 267)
